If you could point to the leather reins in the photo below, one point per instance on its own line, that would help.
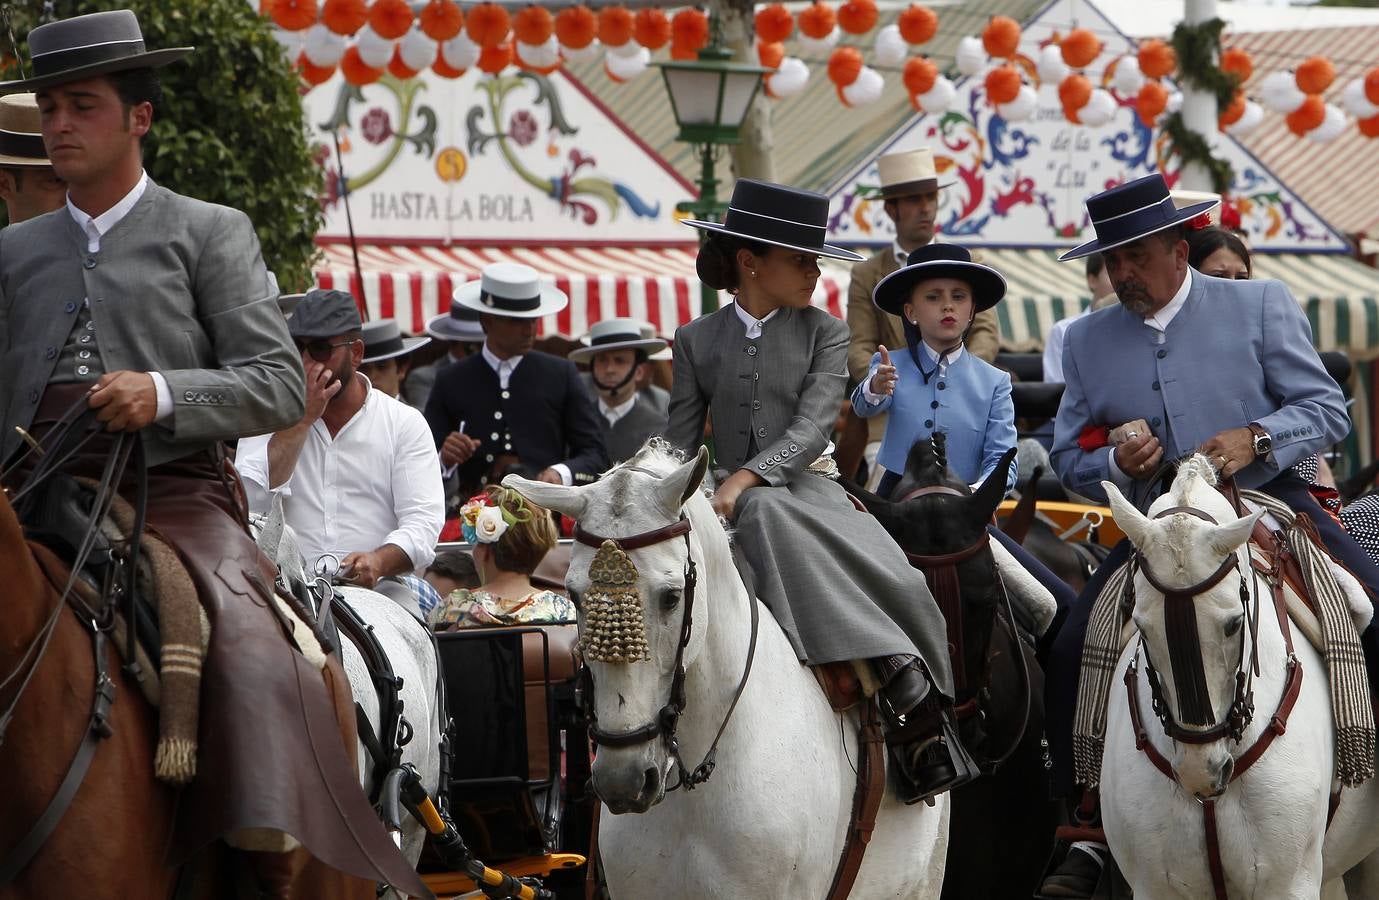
(668, 719)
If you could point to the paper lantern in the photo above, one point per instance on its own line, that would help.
(495, 59)
(857, 16)
(1279, 92)
(1051, 67)
(1022, 108)
(890, 48)
(1002, 84)
(576, 27)
(1314, 75)
(416, 50)
(1151, 101)
(818, 46)
(1099, 109)
(1372, 85)
(817, 20)
(1232, 113)
(689, 30)
(938, 98)
(624, 67)
(533, 25)
(919, 74)
(293, 15)
(1333, 125)
(398, 68)
(1238, 63)
(391, 19)
(970, 57)
(1249, 120)
(1356, 103)
(844, 65)
(1128, 79)
(770, 55)
(344, 16)
(1071, 116)
(917, 24)
(774, 23)
(541, 58)
(443, 68)
(1080, 47)
(1369, 127)
(313, 74)
(488, 25)
(1001, 36)
(323, 47)
(616, 26)
(789, 79)
(1157, 59)
(588, 53)
(651, 28)
(291, 42)
(864, 90)
(1074, 91)
(354, 69)
(1175, 101)
(1310, 113)
(460, 52)
(375, 51)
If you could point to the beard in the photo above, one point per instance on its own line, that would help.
(1134, 296)
(343, 376)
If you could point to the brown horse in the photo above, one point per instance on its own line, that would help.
(112, 839)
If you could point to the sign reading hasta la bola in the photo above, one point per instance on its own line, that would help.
(487, 160)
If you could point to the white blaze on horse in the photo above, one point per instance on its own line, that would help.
(1196, 604)
(771, 821)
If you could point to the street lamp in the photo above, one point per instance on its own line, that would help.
(710, 97)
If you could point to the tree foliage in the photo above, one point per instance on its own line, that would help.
(232, 128)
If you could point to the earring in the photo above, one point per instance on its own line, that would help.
(753, 274)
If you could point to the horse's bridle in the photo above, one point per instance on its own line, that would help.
(668, 719)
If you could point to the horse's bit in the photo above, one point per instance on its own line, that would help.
(669, 717)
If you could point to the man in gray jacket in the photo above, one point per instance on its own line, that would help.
(155, 311)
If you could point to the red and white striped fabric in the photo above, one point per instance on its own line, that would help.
(414, 283)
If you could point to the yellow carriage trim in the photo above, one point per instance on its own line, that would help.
(452, 885)
(1066, 515)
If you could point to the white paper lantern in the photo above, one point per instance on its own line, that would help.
(1052, 68)
(540, 56)
(417, 50)
(1331, 127)
(971, 56)
(890, 49)
(866, 89)
(939, 97)
(1098, 110)
(1022, 107)
(818, 46)
(789, 78)
(1128, 78)
(323, 46)
(291, 42)
(626, 66)
(460, 52)
(631, 48)
(1279, 92)
(1248, 121)
(375, 51)
(1175, 102)
(1356, 103)
(584, 54)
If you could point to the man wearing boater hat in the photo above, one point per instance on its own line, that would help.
(616, 354)
(1185, 362)
(910, 194)
(28, 184)
(510, 407)
(156, 312)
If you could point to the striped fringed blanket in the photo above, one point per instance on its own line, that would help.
(1350, 697)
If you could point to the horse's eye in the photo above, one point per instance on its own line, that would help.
(670, 598)
(1234, 625)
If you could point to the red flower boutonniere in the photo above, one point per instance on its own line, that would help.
(1094, 437)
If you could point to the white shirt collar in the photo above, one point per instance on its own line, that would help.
(948, 359)
(753, 324)
(1159, 321)
(96, 227)
(498, 364)
(614, 413)
(902, 255)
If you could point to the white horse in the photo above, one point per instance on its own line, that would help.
(1271, 822)
(411, 653)
(771, 821)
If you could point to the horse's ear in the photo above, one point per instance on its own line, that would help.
(676, 488)
(566, 500)
(993, 490)
(1134, 523)
(882, 510)
(1229, 537)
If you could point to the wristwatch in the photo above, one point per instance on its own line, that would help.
(1263, 443)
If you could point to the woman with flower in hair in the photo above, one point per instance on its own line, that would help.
(510, 536)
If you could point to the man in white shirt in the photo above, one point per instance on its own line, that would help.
(616, 354)
(1103, 295)
(358, 474)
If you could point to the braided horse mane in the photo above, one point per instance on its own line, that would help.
(927, 465)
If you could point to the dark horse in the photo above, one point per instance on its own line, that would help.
(1002, 825)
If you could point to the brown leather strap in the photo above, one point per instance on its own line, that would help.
(1218, 875)
(944, 585)
(932, 489)
(927, 561)
(866, 800)
(1278, 724)
(1142, 743)
(636, 541)
(591, 864)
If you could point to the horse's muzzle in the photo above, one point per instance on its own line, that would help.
(630, 788)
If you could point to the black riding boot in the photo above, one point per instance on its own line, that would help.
(926, 755)
(1083, 845)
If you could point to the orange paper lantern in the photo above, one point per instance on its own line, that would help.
(390, 19)
(495, 59)
(576, 27)
(441, 20)
(1001, 37)
(533, 25)
(354, 69)
(1238, 63)
(1151, 101)
(1369, 127)
(1309, 115)
(1080, 47)
(345, 16)
(857, 16)
(1372, 85)
(844, 65)
(488, 25)
(1157, 59)
(1232, 113)
(1074, 91)
(919, 75)
(399, 69)
(1003, 84)
(817, 20)
(689, 32)
(917, 24)
(616, 25)
(770, 55)
(443, 68)
(1314, 75)
(313, 74)
(774, 23)
(1071, 115)
(651, 28)
(293, 15)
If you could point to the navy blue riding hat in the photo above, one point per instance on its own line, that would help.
(776, 214)
(939, 261)
(1130, 211)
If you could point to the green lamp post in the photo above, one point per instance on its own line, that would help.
(710, 97)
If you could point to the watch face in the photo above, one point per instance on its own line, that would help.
(1263, 444)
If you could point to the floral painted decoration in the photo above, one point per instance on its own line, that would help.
(484, 521)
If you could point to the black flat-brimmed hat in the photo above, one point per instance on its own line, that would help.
(1130, 211)
(86, 46)
(779, 215)
(939, 261)
(383, 340)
